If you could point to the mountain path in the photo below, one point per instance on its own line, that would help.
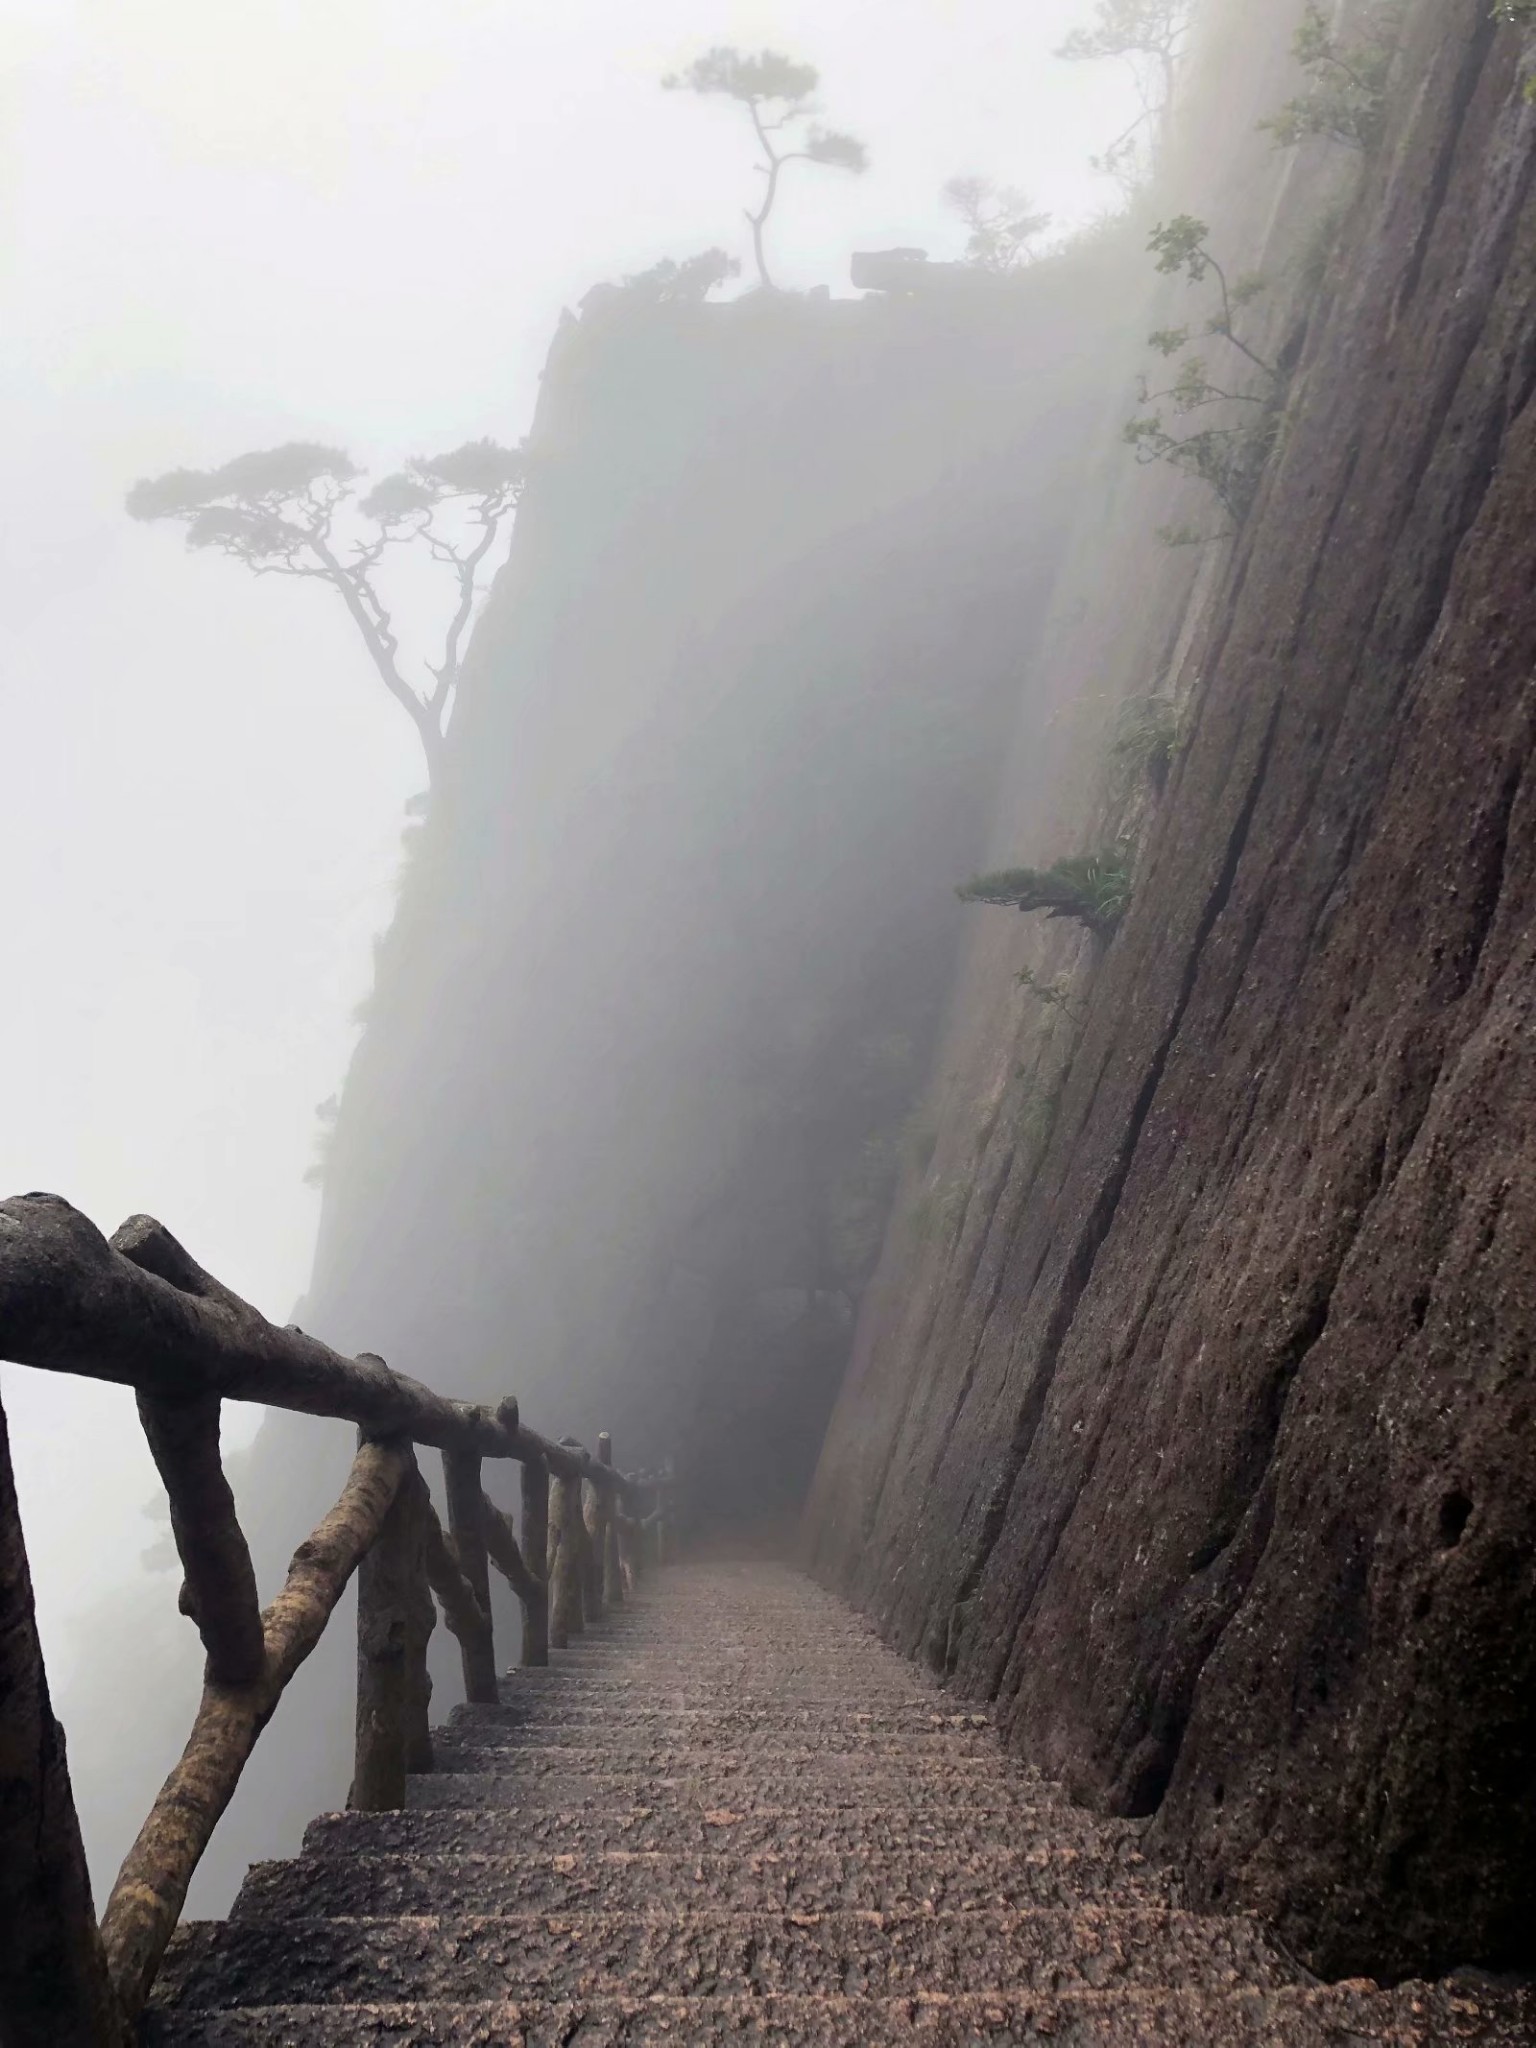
(729, 1814)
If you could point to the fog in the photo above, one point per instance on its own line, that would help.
(228, 227)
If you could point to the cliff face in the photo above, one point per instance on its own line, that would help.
(671, 952)
(1203, 1440)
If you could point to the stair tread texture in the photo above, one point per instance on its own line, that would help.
(1339, 2016)
(728, 1813)
(426, 1957)
(356, 1883)
(704, 1827)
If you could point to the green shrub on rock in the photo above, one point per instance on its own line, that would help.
(1091, 889)
(1346, 78)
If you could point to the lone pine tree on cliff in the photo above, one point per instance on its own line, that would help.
(778, 95)
(1149, 36)
(296, 511)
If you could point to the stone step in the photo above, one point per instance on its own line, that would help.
(734, 1831)
(702, 1638)
(308, 1961)
(712, 1653)
(722, 1736)
(730, 1623)
(811, 1881)
(494, 1725)
(704, 1787)
(773, 1677)
(723, 1645)
(619, 1689)
(541, 1754)
(615, 1706)
(580, 1708)
(1340, 2016)
(710, 1636)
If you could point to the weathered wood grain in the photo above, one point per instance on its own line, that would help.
(54, 1987)
(151, 1887)
(141, 1312)
(466, 1528)
(535, 1490)
(384, 1624)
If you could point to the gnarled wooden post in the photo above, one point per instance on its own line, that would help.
(613, 1578)
(218, 1589)
(502, 1545)
(383, 1624)
(631, 1538)
(466, 1526)
(151, 1887)
(461, 1609)
(592, 1505)
(535, 1488)
(54, 1990)
(666, 1530)
(564, 1574)
(420, 1620)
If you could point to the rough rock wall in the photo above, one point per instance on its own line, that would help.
(1203, 1442)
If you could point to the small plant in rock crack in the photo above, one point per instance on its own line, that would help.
(1226, 453)
(1052, 993)
(1346, 79)
(1038, 1109)
(1149, 37)
(1091, 889)
(1181, 246)
(937, 1213)
(1519, 14)
(326, 1114)
(1147, 733)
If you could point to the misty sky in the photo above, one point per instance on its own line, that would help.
(227, 225)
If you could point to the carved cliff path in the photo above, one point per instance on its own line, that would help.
(729, 1814)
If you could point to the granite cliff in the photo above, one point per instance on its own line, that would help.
(1203, 1441)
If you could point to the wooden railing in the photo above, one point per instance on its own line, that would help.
(139, 1311)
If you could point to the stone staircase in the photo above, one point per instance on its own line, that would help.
(729, 1814)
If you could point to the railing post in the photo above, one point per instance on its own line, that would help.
(218, 1589)
(666, 1535)
(592, 1499)
(564, 1574)
(420, 1620)
(54, 1991)
(461, 1475)
(613, 1578)
(535, 1532)
(151, 1887)
(631, 1545)
(383, 1624)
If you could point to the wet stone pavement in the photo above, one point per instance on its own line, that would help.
(728, 1814)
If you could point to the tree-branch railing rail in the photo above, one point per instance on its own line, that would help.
(139, 1311)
